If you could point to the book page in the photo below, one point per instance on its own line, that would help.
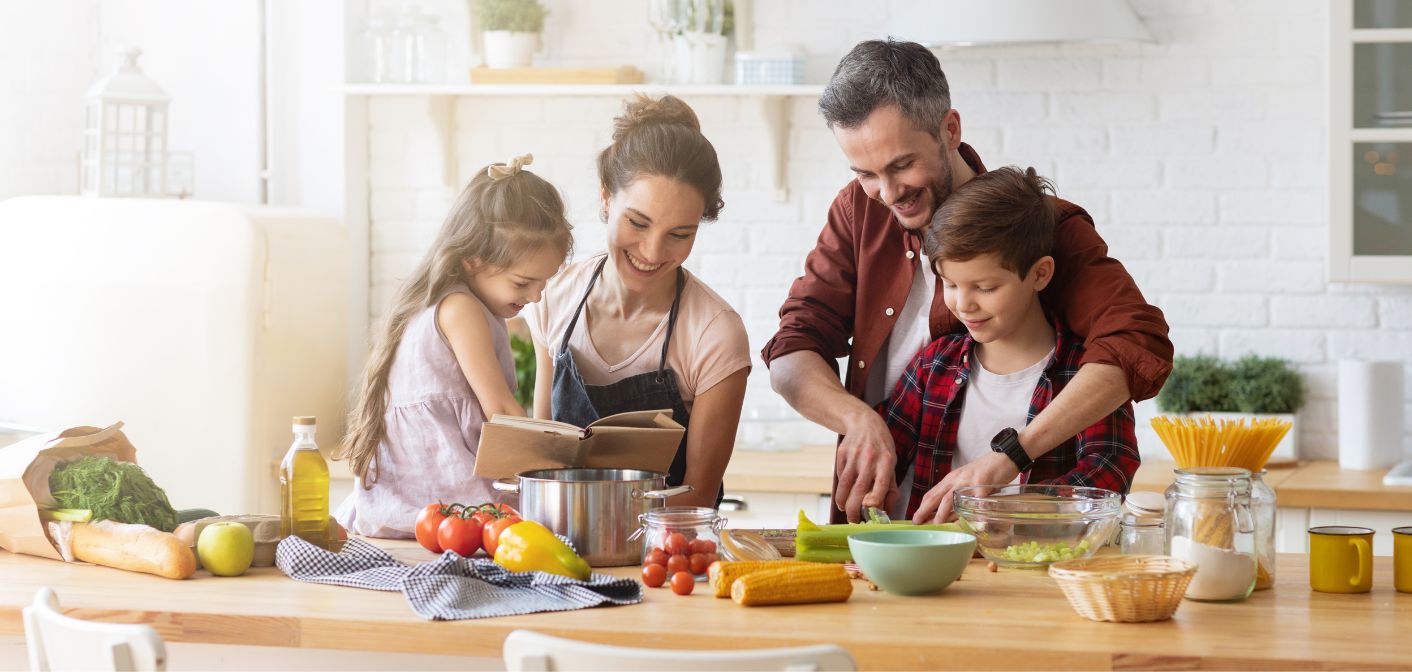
(538, 425)
(651, 419)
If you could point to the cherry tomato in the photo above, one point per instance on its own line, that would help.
(656, 556)
(458, 534)
(428, 521)
(676, 544)
(707, 546)
(491, 538)
(683, 583)
(678, 563)
(654, 575)
(483, 518)
(698, 562)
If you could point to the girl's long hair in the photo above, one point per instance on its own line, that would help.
(495, 221)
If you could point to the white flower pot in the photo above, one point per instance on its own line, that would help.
(509, 49)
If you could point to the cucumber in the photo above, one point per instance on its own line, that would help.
(71, 515)
(188, 515)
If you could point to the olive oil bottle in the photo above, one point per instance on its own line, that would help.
(303, 486)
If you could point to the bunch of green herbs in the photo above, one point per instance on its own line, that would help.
(112, 490)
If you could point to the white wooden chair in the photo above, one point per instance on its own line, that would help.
(58, 643)
(526, 651)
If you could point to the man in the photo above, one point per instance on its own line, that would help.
(868, 293)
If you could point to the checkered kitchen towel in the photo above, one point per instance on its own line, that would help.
(451, 587)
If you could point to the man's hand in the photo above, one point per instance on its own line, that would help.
(994, 469)
(865, 464)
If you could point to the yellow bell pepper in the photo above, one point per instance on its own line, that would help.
(528, 546)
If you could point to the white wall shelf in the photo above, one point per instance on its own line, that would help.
(771, 106)
(615, 90)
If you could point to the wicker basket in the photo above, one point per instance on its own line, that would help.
(1124, 588)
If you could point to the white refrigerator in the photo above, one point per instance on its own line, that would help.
(205, 327)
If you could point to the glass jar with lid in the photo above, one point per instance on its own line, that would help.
(1209, 523)
(1263, 507)
(681, 538)
(1141, 529)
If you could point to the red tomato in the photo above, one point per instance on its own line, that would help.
(655, 556)
(506, 510)
(698, 562)
(683, 583)
(458, 534)
(491, 538)
(678, 563)
(707, 546)
(428, 521)
(483, 518)
(676, 544)
(654, 575)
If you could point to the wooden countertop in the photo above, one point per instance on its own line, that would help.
(1319, 483)
(973, 624)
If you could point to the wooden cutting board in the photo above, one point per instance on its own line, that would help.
(626, 74)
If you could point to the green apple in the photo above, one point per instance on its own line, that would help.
(226, 549)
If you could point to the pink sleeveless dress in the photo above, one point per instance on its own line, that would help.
(433, 427)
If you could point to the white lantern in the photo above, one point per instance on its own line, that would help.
(124, 133)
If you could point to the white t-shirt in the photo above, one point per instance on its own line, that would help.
(708, 344)
(910, 333)
(994, 402)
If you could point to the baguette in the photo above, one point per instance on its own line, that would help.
(136, 548)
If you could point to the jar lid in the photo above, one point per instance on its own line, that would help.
(1145, 504)
(739, 545)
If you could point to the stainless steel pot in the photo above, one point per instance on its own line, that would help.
(597, 509)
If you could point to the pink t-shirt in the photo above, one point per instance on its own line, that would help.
(708, 344)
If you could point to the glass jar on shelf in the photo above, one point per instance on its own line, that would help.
(1263, 507)
(681, 538)
(377, 49)
(1209, 523)
(1141, 529)
(428, 50)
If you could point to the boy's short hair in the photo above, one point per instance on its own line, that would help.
(1005, 211)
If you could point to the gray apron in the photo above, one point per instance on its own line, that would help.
(580, 404)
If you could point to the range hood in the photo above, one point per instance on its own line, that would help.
(948, 23)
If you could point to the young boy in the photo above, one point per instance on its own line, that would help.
(965, 395)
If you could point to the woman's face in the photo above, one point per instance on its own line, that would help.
(652, 225)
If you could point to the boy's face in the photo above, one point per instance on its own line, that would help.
(904, 168)
(991, 300)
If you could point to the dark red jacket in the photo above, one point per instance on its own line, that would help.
(862, 268)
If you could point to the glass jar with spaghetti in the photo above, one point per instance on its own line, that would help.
(1262, 506)
(1209, 523)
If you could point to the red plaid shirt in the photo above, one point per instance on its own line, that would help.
(924, 413)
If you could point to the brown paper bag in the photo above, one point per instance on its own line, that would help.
(24, 480)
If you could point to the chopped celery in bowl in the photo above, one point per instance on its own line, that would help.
(1035, 525)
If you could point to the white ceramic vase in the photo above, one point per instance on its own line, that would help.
(509, 49)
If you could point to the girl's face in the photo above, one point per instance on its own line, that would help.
(652, 226)
(505, 291)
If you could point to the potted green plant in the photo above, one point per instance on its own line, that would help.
(1251, 387)
(509, 30)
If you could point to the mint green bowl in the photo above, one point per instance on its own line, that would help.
(912, 562)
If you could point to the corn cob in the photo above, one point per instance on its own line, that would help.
(723, 573)
(805, 584)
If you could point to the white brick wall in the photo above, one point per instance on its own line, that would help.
(1202, 158)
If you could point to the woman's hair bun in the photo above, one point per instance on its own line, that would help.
(643, 110)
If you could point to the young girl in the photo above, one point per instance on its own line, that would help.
(443, 365)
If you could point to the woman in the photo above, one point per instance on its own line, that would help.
(631, 329)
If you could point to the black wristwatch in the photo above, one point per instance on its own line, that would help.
(1008, 443)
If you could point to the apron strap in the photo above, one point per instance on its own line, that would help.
(564, 344)
(671, 323)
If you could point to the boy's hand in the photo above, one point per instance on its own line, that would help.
(865, 463)
(994, 469)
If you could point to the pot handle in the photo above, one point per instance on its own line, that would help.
(506, 486)
(662, 494)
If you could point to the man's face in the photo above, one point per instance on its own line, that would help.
(903, 167)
